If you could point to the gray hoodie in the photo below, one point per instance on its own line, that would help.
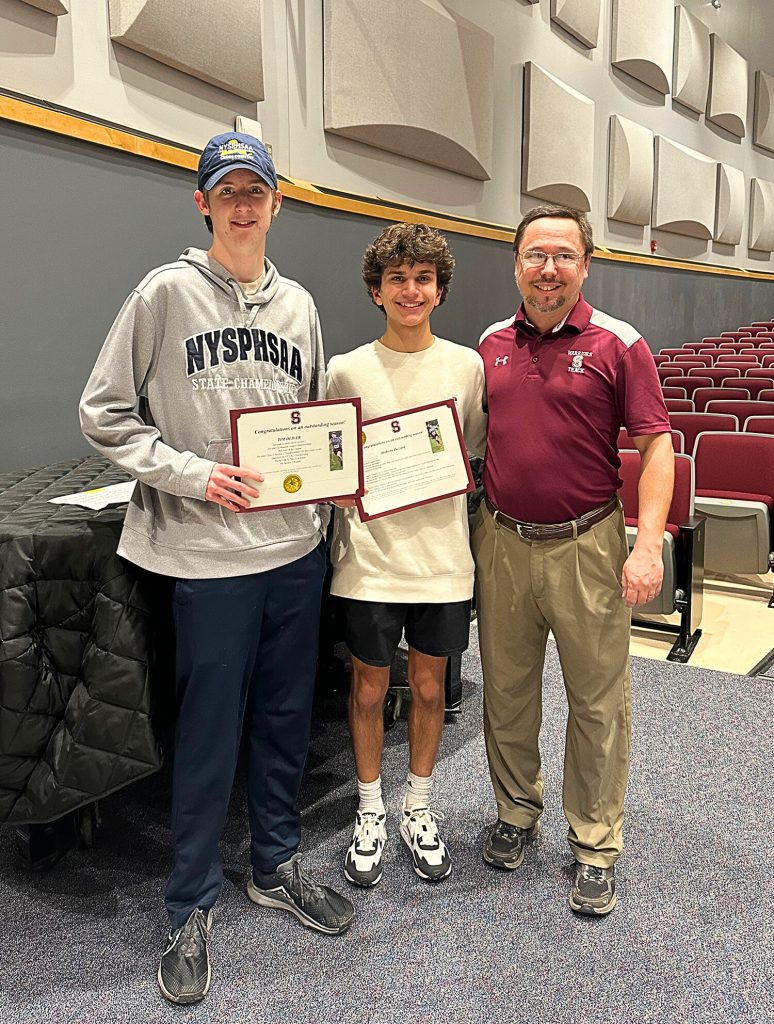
(191, 347)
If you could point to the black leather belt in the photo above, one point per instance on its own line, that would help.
(552, 531)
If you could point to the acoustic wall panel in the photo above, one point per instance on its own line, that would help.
(630, 173)
(763, 128)
(217, 42)
(729, 213)
(557, 160)
(762, 215)
(643, 33)
(578, 17)
(388, 88)
(684, 191)
(727, 104)
(56, 7)
(690, 79)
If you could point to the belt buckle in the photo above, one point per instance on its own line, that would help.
(523, 531)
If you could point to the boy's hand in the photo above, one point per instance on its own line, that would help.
(228, 486)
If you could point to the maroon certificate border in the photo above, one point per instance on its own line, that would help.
(429, 501)
(234, 415)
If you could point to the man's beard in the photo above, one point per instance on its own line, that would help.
(550, 308)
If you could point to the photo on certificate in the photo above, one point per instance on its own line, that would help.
(412, 458)
(306, 453)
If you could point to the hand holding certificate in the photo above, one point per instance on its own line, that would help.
(306, 453)
(413, 458)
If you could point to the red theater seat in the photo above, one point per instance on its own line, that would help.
(702, 396)
(741, 409)
(759, 424)
(693, 359)
(691, 424)
(674, 392)
(689, 384)
(759, 372)
(716, 374)
(735, 335)
(735, 491)
(757, 385)
(681, 552)
(679, 405)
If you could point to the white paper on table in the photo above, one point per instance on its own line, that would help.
(98, 497)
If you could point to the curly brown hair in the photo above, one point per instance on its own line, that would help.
(408, 243)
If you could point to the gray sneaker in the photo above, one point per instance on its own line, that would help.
(505, 844)
(184, 972)
(289, 887)
(593, 890)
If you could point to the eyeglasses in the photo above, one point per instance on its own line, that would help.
(535, 258)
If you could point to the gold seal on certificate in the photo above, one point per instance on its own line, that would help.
(312, 449)
(412, 458)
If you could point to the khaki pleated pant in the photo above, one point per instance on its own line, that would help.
(572, 588)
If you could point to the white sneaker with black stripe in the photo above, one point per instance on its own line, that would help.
(419, 830)
(363, 862)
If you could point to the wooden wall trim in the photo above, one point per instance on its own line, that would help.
(76, 126)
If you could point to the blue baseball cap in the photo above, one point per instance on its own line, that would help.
(233, 151)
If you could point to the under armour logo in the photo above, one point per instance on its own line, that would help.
(501, 361)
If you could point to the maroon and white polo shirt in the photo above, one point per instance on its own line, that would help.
(556, 402)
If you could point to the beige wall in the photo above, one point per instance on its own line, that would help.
(71, 62)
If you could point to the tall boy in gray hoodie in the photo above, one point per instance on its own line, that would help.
(214, 331)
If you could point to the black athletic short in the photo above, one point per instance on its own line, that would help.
(373, 629)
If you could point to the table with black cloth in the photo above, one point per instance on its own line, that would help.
(86, 648)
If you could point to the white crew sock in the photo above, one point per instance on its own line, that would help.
(417, 791)
(370, 796)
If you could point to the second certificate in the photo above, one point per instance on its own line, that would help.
(412, 458)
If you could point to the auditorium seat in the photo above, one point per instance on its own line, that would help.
(767, 359)
(679, 404)
(673, 370)
(658, 359)
(691, 424)
(674, 393)
(693, 359)
(759, 372)
(755, 385)
(735, 491)
(759, 425)
(742, 362)
(766, 396)
(682, 553)
(671, 352)
(689, 384)
(734, 346)
(735, 335)
(702, 396)
(766, 325)
(716, 374)
(741, 409)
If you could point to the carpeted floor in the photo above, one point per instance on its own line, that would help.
(690, 940)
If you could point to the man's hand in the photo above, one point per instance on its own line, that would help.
(642, 575)
(228, 486)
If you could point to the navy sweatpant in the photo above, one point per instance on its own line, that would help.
(246, 650)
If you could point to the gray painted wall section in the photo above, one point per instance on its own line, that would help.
(82, 225)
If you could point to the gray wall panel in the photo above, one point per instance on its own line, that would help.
(100, 220)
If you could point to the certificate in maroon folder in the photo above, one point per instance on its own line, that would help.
(413, 458)
(307, 453)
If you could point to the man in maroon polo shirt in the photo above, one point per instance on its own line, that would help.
(551, 550)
